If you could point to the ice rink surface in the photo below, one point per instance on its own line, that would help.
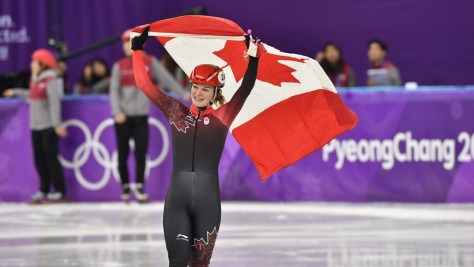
(251, 235)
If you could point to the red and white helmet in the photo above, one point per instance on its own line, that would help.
(208, 74)
(44, 57)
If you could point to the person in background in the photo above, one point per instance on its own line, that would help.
(82, 87)
(45, 122)
(340, 73)
(381, 72)
(61, 64)
(61, 68)
(100, 76)
(130, 108)
(95, 79)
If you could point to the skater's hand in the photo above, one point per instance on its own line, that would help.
(139, 41)
(61, 131)
(254, 45)
(120, 118)
(8, 93)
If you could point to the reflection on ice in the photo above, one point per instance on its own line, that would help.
(252, 234)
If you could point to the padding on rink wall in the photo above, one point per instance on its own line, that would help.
(409, 146)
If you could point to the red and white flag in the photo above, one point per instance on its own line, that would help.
(293, 110)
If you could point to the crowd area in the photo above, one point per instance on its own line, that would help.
(382, 72)
(96, 75)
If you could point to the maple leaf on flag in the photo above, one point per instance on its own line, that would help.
(272, 71)
(233, 54)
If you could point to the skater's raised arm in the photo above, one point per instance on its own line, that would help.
(166, 104)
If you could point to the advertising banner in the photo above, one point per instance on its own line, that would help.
(409, 146)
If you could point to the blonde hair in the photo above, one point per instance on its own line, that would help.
(219, 100)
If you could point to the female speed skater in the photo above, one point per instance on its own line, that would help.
(192, 211)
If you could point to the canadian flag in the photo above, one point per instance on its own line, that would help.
(293, 110)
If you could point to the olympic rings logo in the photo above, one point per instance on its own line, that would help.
(93, 146)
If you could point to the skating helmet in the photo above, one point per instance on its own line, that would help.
(44, 57)
(208, 74)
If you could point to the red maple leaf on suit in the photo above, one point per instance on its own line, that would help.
(202, 250)
(269, 70)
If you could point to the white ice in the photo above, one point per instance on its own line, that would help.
(251, 235)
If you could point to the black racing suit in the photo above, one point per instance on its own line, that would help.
(192, 211)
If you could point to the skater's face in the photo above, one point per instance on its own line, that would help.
(201, 95)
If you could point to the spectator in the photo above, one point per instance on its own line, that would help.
(82, 87)
(45, 122)
(95, 79)
(130, 109)
(100, 76)
(382, 72)
(62, 69)
(330, 59)
(61, 65)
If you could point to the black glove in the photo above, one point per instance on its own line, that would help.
(140, 40)
(254, 45)
(249, 37)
